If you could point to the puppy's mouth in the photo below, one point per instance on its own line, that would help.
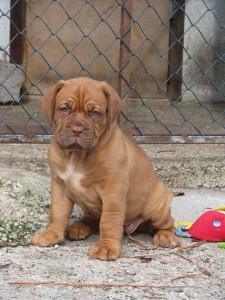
(67, 140)
(74, 146)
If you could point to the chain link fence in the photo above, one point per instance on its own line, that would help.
(165, 58)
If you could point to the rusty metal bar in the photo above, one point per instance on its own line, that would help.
(16, 28)
(176, 50)
(157, 139)
(125, 54)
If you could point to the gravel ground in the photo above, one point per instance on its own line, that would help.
(65, 272)
(192, 273)
(21, 211)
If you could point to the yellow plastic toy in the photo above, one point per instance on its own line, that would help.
(186, 224)
(222, 208)
(181, 228)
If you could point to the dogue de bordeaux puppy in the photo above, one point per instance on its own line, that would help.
(96, 166)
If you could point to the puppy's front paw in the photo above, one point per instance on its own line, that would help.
(104, 251)
(166, 239)
(78, 231)
(46, 239)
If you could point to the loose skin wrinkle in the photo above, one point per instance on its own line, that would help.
(97, 167)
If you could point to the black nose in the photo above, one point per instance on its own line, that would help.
(77, 130)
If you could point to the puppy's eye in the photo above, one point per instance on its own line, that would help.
(94, 114)
(64, 110)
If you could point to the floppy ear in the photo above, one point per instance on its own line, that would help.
(48, 101)
(114, 103)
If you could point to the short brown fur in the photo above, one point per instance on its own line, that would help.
(96, 166)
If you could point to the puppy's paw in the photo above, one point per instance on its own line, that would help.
(104, 251)
(78, 231)
(46, 239)
(166, 239)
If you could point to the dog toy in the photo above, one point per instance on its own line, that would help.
(180, 229)
(220, 208)
(209, 227)
(221, 245)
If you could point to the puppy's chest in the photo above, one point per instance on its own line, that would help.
(78, 184)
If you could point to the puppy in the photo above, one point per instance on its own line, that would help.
(96, 166)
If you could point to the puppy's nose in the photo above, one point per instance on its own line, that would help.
(77, 130)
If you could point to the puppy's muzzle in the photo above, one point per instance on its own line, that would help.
(76, 135)
(77, 130)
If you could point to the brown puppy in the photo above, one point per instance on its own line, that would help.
(96, 166)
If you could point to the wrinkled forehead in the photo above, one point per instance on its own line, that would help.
(82, 92)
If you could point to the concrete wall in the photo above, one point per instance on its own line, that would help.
(4, 29)
(204, 45)
(68, 50)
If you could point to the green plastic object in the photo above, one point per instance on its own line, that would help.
(221, 245)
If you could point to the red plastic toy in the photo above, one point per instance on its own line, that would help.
(209, 227)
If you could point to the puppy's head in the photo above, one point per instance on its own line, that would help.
(82, 109)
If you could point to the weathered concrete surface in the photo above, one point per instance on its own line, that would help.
(191, 273)
(204, 22)
(189, 166)
(180, 166)
(158, 273)
(93, 42)
(12, 78)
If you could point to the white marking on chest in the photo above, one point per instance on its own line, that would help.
(76, 179)
(72, 177)
(68, 172)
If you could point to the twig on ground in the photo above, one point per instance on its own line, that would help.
(188, 259)
(142, 245)
(184, 276)
(168, 150)
(153, 247)
(5, 265)
(100, 285)
(204, 271)
(137, 256)
(198, 244)
(5, 244)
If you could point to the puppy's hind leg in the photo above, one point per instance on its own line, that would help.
(163, 222)
(166, 238)
(80, 230)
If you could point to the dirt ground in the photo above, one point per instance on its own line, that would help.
(196, 271)
(65, 272)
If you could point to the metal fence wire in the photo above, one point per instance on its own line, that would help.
(165, 58)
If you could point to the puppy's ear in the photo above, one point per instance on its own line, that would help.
(48, 101)
(114, 103)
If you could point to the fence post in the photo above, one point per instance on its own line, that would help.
(16, 27)
(176, 50)
(124, 55)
